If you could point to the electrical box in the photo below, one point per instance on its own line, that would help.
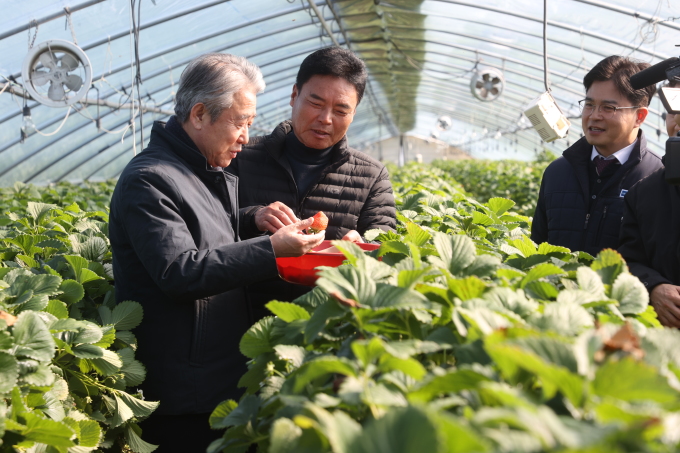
(547, 118)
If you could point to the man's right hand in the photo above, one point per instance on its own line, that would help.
(290, 240)
(665, 299)
(274, 217)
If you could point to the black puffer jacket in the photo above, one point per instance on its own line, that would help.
(172, 228)
(354, 191)
(650, 234)
(564, 215)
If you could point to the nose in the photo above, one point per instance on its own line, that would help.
(325, 116)
(244, 138)
(597, 112)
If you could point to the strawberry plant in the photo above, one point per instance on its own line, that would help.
(459, 335)
(67, 367)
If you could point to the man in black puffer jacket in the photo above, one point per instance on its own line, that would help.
(580, 204)
(306, 165)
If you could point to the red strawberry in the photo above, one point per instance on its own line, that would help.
(320, 223)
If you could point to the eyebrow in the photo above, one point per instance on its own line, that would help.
(245, 116)
(606, 101)
(319, 98)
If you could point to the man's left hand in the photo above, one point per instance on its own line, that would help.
(274, 217)
(353, 236)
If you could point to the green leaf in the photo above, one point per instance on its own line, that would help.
(109, 364)
(510, 358)
(388, 296)
(457, 437)
(416, 234)
(93, 249)
(88, 332)
(547, 249)
(47, 431)
(32, 338)
(405, 430)
(127, 315)
(9, 371)
(480, 218)
(590, 282)
(57, 308)
(295, 354)
(452, 382)
(139, 408)
(72, 291)
(136, 443)
(79, 266)
(287, 311)
(633, 381)
(457, 251)
(524, 245)
(245, 412)
(540, 271)
(221, 411)
(318, 367)
(563, 318)
(608, 264)
(41, 376)
(87, 351)
(134, 373)
(466, 288)
(500, 205)
(90, 433)
(631, 293)
(320, 317)
(542, 290)
(283, 436)
(256, 340)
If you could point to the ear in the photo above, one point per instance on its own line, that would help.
(641, 115)
(293, 95)
(198, 116)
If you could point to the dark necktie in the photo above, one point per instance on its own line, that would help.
(601, 163)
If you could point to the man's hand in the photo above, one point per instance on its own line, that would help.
(291, 241)
(665, 299)
(353, 236)
(274, 217)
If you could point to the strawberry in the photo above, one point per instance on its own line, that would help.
(320, 223)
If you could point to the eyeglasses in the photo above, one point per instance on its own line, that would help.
(606, 110)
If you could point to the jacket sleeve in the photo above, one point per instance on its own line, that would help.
(247, 227)
(379, 210)
(150, 211)
(539, 226)
(632, 246)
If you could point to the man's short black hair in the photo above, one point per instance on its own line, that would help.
(619, 70)
(334, 61)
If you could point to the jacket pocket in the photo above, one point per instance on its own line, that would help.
(198, 336)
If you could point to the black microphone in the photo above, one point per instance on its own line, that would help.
(653, 74)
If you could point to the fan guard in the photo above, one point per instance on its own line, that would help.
(57, 73)
(487, 84)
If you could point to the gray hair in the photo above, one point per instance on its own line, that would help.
(212, 80)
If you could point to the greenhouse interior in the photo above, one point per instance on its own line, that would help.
(475, 262)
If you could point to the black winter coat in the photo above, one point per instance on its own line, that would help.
(564, 215)
(650, 233)
(173, 227)
(354, 191)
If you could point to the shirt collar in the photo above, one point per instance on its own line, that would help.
(621, 155)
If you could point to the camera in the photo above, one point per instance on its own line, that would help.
(670, 97)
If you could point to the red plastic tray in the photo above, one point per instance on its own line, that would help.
(302, 269)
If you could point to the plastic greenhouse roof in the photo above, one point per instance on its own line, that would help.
(421, 56)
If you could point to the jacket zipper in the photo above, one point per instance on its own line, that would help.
(585, 227)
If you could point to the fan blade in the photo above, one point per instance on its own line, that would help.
(483, 93)
(73, 82)
(479, 84)
(40, 78)
(69, 62)
(47, 60)
(495, 80)
(486, 77)
(494, 91)
(56, 92)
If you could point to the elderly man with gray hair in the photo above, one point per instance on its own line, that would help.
(176, 239)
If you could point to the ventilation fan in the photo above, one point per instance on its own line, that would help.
(57, 73)
(444, 123)
(487, 84)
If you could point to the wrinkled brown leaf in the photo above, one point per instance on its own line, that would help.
(9, 319)
(626, 340)
(344, 300)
